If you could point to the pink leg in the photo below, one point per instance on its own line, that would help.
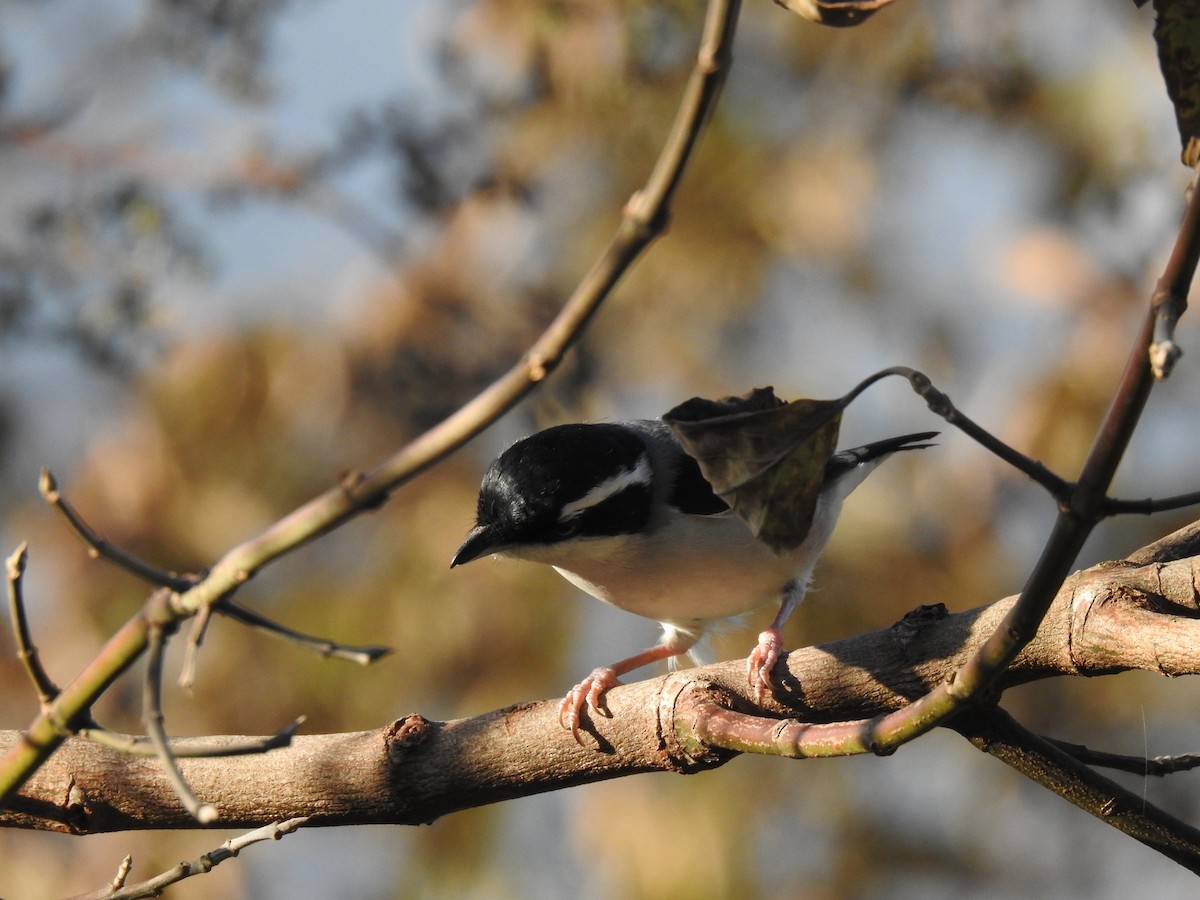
(763, 657)
(592, 689)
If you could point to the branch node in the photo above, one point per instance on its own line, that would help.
(1168, 306)
(123, 871)
(1163, 356)
(406, 735)
(538, 367)
(27, 653)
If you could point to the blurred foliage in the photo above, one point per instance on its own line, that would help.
(982, 191)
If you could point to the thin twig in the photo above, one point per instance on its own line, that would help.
(939, 403)
(143, 745)
(1157, 766)
(27, 652)
(99, 548)
(200, 866)
(187, 672)
(122, 875)
(363, 655)
(1145, 507)
(153, 719)
(1170, 303)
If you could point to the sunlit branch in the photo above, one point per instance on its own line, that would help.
(363, 655)
(119, 890)
(153, 719)
(143, 745)
(26, 651)
(717, 726)
(99, 548)
(1107, 619)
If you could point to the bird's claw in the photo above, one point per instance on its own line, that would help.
(761, 661)
(589, 692)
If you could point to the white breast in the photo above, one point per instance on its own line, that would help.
(689, 571)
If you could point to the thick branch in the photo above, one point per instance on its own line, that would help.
(1138, 614)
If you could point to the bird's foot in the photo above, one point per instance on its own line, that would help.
(762, 660)
(588, 692)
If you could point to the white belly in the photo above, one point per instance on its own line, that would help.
(685, 575)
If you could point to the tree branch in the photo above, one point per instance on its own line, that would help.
(1077, 517)
(1153, 766)
(119, 890)
(99, 548)
(645, 216)
(1140, 613)
(27, 653)
(998, 734)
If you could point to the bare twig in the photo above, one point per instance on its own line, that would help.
(200, 866)
(1146, 507)
(940, 404)
(1156, 766)
(99, 548)
(122, 875)
(187, 672)
(153, 717)
(46, 689)
(143, 745)
(364, 655)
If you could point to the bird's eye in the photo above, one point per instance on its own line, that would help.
(567, 528)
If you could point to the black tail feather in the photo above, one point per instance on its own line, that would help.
(844, 460)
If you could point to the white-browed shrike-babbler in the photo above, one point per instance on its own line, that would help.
(622, 512)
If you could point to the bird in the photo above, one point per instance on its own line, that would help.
(623, 513)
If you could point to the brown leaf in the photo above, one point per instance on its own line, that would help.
(1177, 34)
(764, 457)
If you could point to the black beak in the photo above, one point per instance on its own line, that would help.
(480, 541)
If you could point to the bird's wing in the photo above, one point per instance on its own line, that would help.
(691, 494)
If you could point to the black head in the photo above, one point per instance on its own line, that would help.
(565, 482)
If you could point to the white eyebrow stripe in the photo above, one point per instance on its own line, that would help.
(639, 474)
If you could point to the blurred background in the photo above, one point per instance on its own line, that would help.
(246, 245)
